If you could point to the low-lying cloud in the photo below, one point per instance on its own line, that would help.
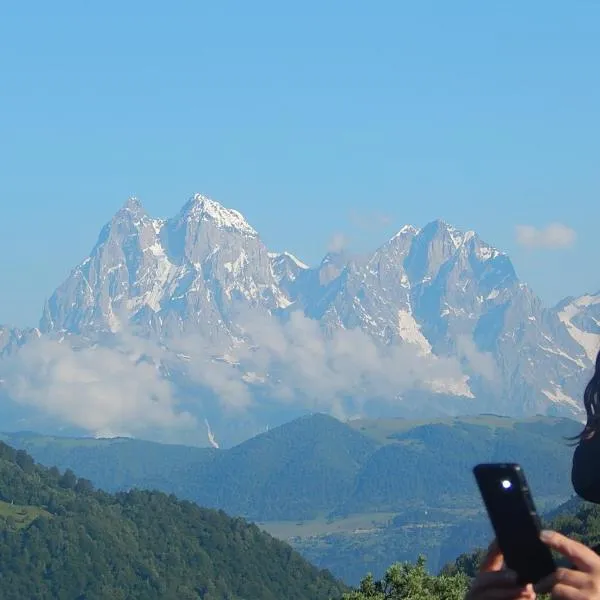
(120, 390)
(333, 371)
(481, 363)
(337, 243)
(106, 391)
(554, 236)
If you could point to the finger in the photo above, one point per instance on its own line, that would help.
(565, 592)
(493, 559)
(581, 556)
(514, 593)
(495, 580)
(569, 577)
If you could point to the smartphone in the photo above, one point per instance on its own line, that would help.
(515, 521)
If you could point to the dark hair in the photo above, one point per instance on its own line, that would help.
(591, 401)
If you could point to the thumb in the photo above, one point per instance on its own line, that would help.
(493, 559)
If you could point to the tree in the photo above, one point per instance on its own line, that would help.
(68, 480)
(405, 581)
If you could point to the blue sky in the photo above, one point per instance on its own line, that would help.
(312, 118)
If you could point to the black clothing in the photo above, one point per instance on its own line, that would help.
(585, 473)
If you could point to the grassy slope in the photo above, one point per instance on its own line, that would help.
(21, 515)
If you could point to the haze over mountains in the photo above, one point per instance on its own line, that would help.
(168, 323)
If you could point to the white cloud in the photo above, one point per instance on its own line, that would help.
(210, 366)
(553, 236)
(337, 243)
(106, 391)
(481, 363)
(120, 390)
(340, 371)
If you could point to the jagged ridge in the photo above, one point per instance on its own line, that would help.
(442, 292)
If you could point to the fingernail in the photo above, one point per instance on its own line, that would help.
(546, 535)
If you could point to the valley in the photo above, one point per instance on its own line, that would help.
(275, 277)
(350, 497)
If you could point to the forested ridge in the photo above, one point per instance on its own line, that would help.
(61, 539)
(404, 581)
(316, 481)
(317, 465)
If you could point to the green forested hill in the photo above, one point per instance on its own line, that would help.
(297, 471)
(430, 464)
(576, 519)
(317, 465)
(60, 539)
(349, 496)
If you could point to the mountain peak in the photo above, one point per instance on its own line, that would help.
(133, 203)
(459, 238)
(132, 208)
(288, 256)
(202, 208)
(407, 230)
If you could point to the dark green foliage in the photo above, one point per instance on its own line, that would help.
(319, 467)
(576, 519)
(580, 521)
(87, 544)
(431, 465)
(115, 464)
(467, 564)
(296, 471)
(583, 524)
(403, 581)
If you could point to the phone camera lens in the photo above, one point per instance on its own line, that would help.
(506, 484)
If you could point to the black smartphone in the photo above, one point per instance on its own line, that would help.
(515, 521)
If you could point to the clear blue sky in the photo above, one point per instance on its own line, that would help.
(303, 115)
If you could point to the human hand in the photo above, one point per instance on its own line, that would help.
(494, 582)
(568, 584)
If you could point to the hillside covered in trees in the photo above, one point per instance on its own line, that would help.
(350, 497)
(317, 465)
(61, 539)
(402, 581)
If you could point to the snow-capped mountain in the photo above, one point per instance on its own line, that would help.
(581, 317)
(167, 276)
(435, 319)
(11, 339)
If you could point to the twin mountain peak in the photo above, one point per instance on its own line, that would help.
(442, 292)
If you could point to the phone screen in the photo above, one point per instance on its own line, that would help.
(515, 520)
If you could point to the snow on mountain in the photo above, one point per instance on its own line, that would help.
(185, 274)
(434, 308)
(202, 208)
(581, 317)
(286, 269)
(11, 339)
